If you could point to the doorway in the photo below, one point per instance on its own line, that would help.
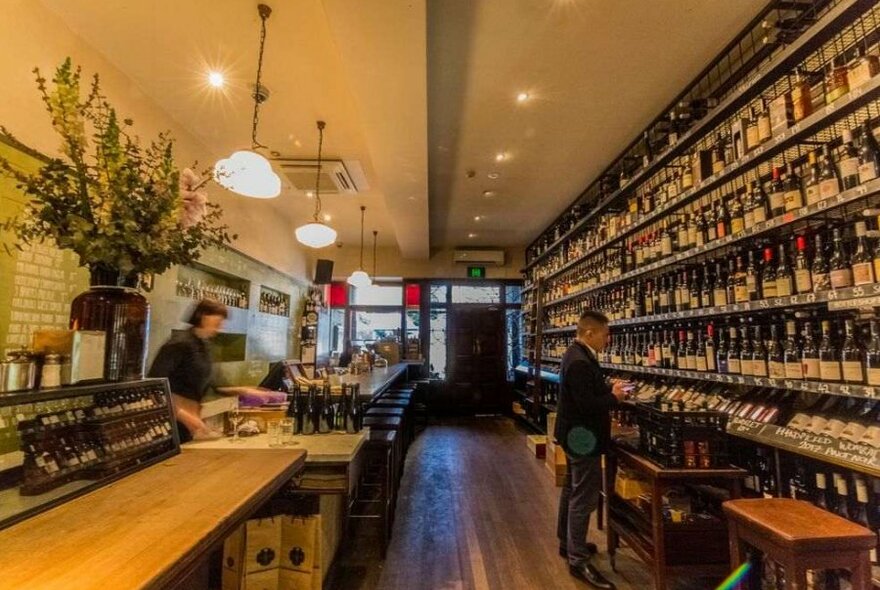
(477, 358)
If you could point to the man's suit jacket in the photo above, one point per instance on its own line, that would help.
(583, 419)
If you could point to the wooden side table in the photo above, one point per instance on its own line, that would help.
(669, 549)
(799, 536)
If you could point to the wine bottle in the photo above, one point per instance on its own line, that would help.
(721, 353)
(793, 196)
(752, 278)
(691, 352)
(731, 281)
(775, 356)
(295, 409)
(849, 162)
(793, 369)
(737, 218)
(829, 181)
(328, 414)
(722, 220)
(860, 510)
(851, 356)
(759, 353)
(709, 349)
(820, 498)
(802, 276)
(811, 184)
(810, 362)
(842, 488)
(741, 282)
(719, 288)
(784, 277)
(869, 154)
(700, 357)
(829, 360)
(839, 263)
(311, 412)
(872, 355)
(734, 366)
(862, 259)
(758, 204)
(768, 276)
(777, 194)
(353, 422)
(820, 269)
(745, 352)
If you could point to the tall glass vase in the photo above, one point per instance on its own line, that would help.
(114, 306)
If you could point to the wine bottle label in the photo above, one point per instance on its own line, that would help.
(794, 200)
(690, 362)
(849, 167)
(752, 139)
(863, 273)
(682, 238)
(804, 280)
(745, 367)
(737, 225)
(616, 359)
(691, 236)
(852, 372)
(667, 246)
(701, 363)
(812, 194)
(777, 370)
(720, 296)
(841, 278)
(710, 359)
(861, 491)
(821, 281)
(742, 293)
(720, 229)
(867, 171)
(759, 368)
(783, 286)
(874, 376)
(712, 234)
(640, 256)
(777, 201)
(764, 130)
(769, 288)
(664, 299)
(812, 369)
(699, 239)
(829, 370)
(649, 306)
(759, 215)
(749, 218)
(829, 188)
(734, 366)
(794, 370)
(694, 302)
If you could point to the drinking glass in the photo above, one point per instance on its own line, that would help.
(287, 432)
(273, 429)
(236, 418)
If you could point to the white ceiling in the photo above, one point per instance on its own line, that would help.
(421, 91)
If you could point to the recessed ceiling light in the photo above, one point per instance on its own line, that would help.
(327, 217)
(493, 175)
(412, 198)
(489, 193)
(522, 97)
(500, 157)
(472, 235)
(477, 218)
(216, 79)
(310, 194)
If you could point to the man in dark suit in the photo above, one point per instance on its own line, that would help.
(583, 428)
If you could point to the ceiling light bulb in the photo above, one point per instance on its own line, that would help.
(493, 175)
(327, 217)
(489, 193)
(359, 278)
(216, 79)
(522, 97)
(310, 194)
(472, 235)
(477, 218)
(315, 235)
(500, 157)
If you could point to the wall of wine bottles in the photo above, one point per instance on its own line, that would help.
(736, 249)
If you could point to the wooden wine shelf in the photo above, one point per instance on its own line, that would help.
(819, 387)
(868, 189)
(819, 33)
(563, 330)
(854, 456)
(836, 299)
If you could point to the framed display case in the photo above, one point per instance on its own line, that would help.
(56, 444)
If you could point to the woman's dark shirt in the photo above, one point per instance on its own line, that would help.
(186, 361)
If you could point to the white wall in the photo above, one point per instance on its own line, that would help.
(31, 35)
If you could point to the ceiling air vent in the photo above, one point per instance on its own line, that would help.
(335, 176)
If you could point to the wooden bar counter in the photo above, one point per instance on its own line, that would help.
(377, 381)
(151, 529)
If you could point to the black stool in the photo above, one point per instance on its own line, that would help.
(395, 424)
(376, 489)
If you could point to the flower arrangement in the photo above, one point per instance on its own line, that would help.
(119, 205)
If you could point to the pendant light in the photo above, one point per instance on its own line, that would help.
(375, 233)
(317, 234)
(247, 172)
(360, 278)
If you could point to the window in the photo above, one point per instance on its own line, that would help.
(377, 295)
(474, 294)
(439, 294)
(437, 350)
(370, 326)
(513, 294)
(514, 340)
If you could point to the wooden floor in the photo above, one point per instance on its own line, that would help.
(476, 511)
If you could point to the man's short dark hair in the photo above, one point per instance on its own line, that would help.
(591, 317)
(206, 307)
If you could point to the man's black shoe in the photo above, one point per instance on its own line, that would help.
(591, 547)
(591, 576)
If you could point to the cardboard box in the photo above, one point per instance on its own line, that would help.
(537, 445)
(629, 486)
(556, 463)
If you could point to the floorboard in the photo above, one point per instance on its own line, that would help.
(476, 512)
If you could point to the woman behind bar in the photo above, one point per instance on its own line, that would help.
(186, 361)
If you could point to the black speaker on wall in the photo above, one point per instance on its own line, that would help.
(324, 272)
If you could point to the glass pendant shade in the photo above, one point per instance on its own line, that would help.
(248, 174)
(315, 235)
(359, 278)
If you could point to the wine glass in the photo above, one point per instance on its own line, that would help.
(236, 420)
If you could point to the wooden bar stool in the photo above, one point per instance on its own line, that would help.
(800, 537)
(376, 490)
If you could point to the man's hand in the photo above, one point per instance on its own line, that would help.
(617, 388)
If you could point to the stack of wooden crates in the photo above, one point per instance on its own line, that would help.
(555, 458)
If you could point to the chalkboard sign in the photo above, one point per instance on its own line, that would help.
(38, 283)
